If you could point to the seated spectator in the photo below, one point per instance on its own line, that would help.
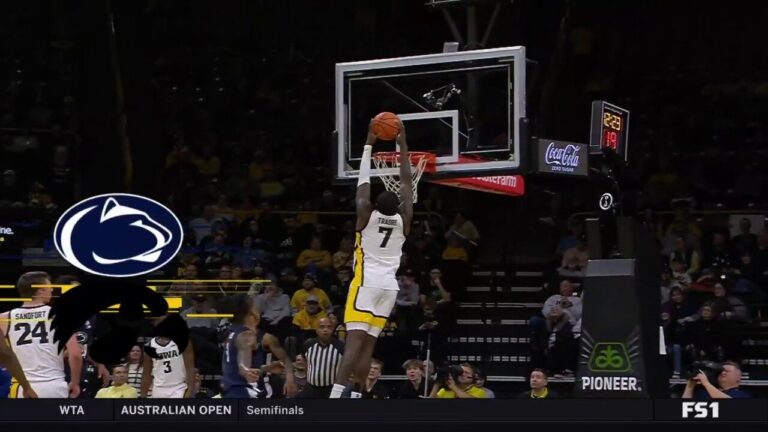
(686, 254)
(309, 288)
(199, 391)
(275, 309)
(745, 241)
(465, 388)
(435, 290)
(413, 387)
(463, 228)
(575, 259)
(222, 210)
(728, 308)
(480, 383)
(247, 256)
(552, 334)
(200, 306)
(343, 258)
(706, 336)
(455, 251)
(336, 315)
(208, 164)
(719, 258)
(680, 277)
(375, 389)
(666, 285)
(203, 225)
(539, 390)
(747, 276)
(407, 300)
(300, 372)
(305, 321)
(120, 389)
(728, 383)
(675, 314)
(217, 254)
(315, 256)
(340, 285)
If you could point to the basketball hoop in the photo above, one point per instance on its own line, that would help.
(389, 163)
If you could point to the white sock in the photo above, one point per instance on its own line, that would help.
(336, 391)
(355, 395)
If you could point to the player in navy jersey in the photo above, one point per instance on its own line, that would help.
(245, 355)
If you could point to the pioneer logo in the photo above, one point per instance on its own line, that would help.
(701, 410)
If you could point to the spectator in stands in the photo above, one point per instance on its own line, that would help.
(575, 259)
(465, 388)
(706, 336)
(719, 259)
(439, 320)
(728, 383)
(407, 301)
(680, 277)
(340, 285)
(686, 254)
(135, 367)
(275, 309)
(208, 164)
(120, 389)
(343, 257)
(300, 373)
(463, 228)
(309, 288)
(539, 390)
(575, 230)
(675, 315)
(480, 383)
(455, 250)
(552, 340)
(315, 257)
(305, 321)
(745, 241)
(435, 290)
(247, 256)
(323, 354)
(203, 225)
(200, 306)
(375, 389)
(12, 192)
(728, 308)
(747, 276)
(222, 210)
(336, 315)
(413, 387)
(666, 285)
(198, 390)
(217, 254)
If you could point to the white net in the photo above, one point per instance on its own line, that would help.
(389, 163)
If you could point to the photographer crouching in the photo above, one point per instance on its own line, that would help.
(457, 382)
(727, 375)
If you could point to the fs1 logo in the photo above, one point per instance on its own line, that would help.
(118, 235)
(701, 410)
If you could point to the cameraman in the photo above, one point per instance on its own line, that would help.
(464, 389)
(728, 382)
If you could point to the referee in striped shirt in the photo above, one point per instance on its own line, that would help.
(323, 355)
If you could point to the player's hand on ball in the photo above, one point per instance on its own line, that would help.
(371, 138)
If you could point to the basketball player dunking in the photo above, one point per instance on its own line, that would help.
(170, 373)
(380, 235)
(29, 334)
(245, 355)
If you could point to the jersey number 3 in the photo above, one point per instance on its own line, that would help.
(167, 364)
(39, 332)
(387, 232)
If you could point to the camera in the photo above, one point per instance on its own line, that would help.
(711, 369)
(446, 370)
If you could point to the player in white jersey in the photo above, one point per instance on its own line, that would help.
(29, 334)
(381, 231)
(165, 370)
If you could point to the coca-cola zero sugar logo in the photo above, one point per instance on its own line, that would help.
(559, 157)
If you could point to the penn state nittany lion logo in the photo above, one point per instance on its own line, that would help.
(118, 235)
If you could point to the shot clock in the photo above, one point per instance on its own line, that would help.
(609, 130)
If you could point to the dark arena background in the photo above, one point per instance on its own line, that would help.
(593, 228)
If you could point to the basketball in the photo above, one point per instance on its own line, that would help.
(386, 126)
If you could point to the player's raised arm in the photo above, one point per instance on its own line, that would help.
(363, 198)
(406, 180)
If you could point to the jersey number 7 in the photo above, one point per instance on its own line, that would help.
(387, 232)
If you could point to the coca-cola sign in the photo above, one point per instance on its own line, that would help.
(561, 157)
